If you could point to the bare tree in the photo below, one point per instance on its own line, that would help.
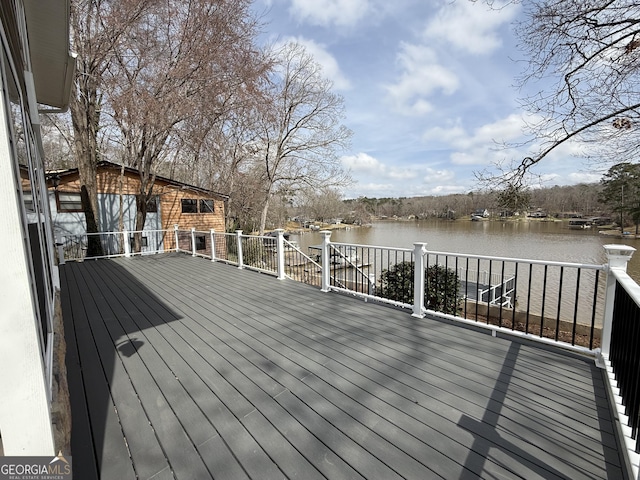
(300, 131)
(97, 26)
(322, 204)
(224, 158)
(178, 64)
(586, 54)
(57, 141)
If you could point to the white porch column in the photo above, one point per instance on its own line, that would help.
(239, 241)
(126, 243)
(25, 419)
(419, 249)
(213, 244)
(60, 247)
(175, 235)
(618, 256)
(193, 241)
(326, 260)
(280, 253)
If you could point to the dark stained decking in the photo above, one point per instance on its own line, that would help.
(183, 368)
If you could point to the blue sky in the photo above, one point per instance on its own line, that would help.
(428, 88)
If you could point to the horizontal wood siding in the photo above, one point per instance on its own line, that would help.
(171, 213)
(170, 204)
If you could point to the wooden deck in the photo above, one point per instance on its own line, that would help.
(187, 369)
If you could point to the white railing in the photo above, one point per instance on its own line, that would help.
(554, 301)
(267, 254)
(109, 244)
(620, 354)
(563, 304)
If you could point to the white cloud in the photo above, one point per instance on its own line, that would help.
(327, 61)
(363, 163)
(470, 26)
(379, 179)
(446, 135)
(447, 189)
(573, 178)
(584, 177)
(330, 12)
(504, 130)
(483, 146)
(375, 187)
(438, 176)
(403, 173)
(472, 157)
(421, 76)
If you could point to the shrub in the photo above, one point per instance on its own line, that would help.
(440, 291)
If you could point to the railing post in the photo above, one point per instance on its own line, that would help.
(419, 249)
(280, 253)
(239, 240)
(325, 257)
(193, 241)
(175, 230)
(618, 256)
(61, 260)
(125, 243)
(213, 244)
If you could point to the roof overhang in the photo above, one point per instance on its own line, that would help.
(104, 164)
(52, 62)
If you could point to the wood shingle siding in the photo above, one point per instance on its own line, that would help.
(207, 371)
(169, 193)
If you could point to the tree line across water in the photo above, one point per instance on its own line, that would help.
(617, 196)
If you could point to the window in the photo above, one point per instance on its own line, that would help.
(144, 242)
(193, 205)
(189, 205)
(206, 206)
(152, 205)
(69, 202)
(201, 242)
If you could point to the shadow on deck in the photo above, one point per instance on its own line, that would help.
(183, 368)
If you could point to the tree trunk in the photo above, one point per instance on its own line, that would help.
(85, 116)
(263, 215)
(147, 181)
(141, 217)
(229, 205)
(94, 245)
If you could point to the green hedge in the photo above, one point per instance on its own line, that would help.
(440, 291)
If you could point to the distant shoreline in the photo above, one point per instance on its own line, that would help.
(294, 228)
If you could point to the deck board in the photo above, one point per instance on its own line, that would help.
(123, 403)
(209, 371)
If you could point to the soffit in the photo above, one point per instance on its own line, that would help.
(52, 63)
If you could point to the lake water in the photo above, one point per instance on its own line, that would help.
(529, 240)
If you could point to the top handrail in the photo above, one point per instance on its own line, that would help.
(519, 260)
(395, 249)
(481, 257)
(628, 283)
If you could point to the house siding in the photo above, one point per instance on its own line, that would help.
(112, 187)
(171, 213)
